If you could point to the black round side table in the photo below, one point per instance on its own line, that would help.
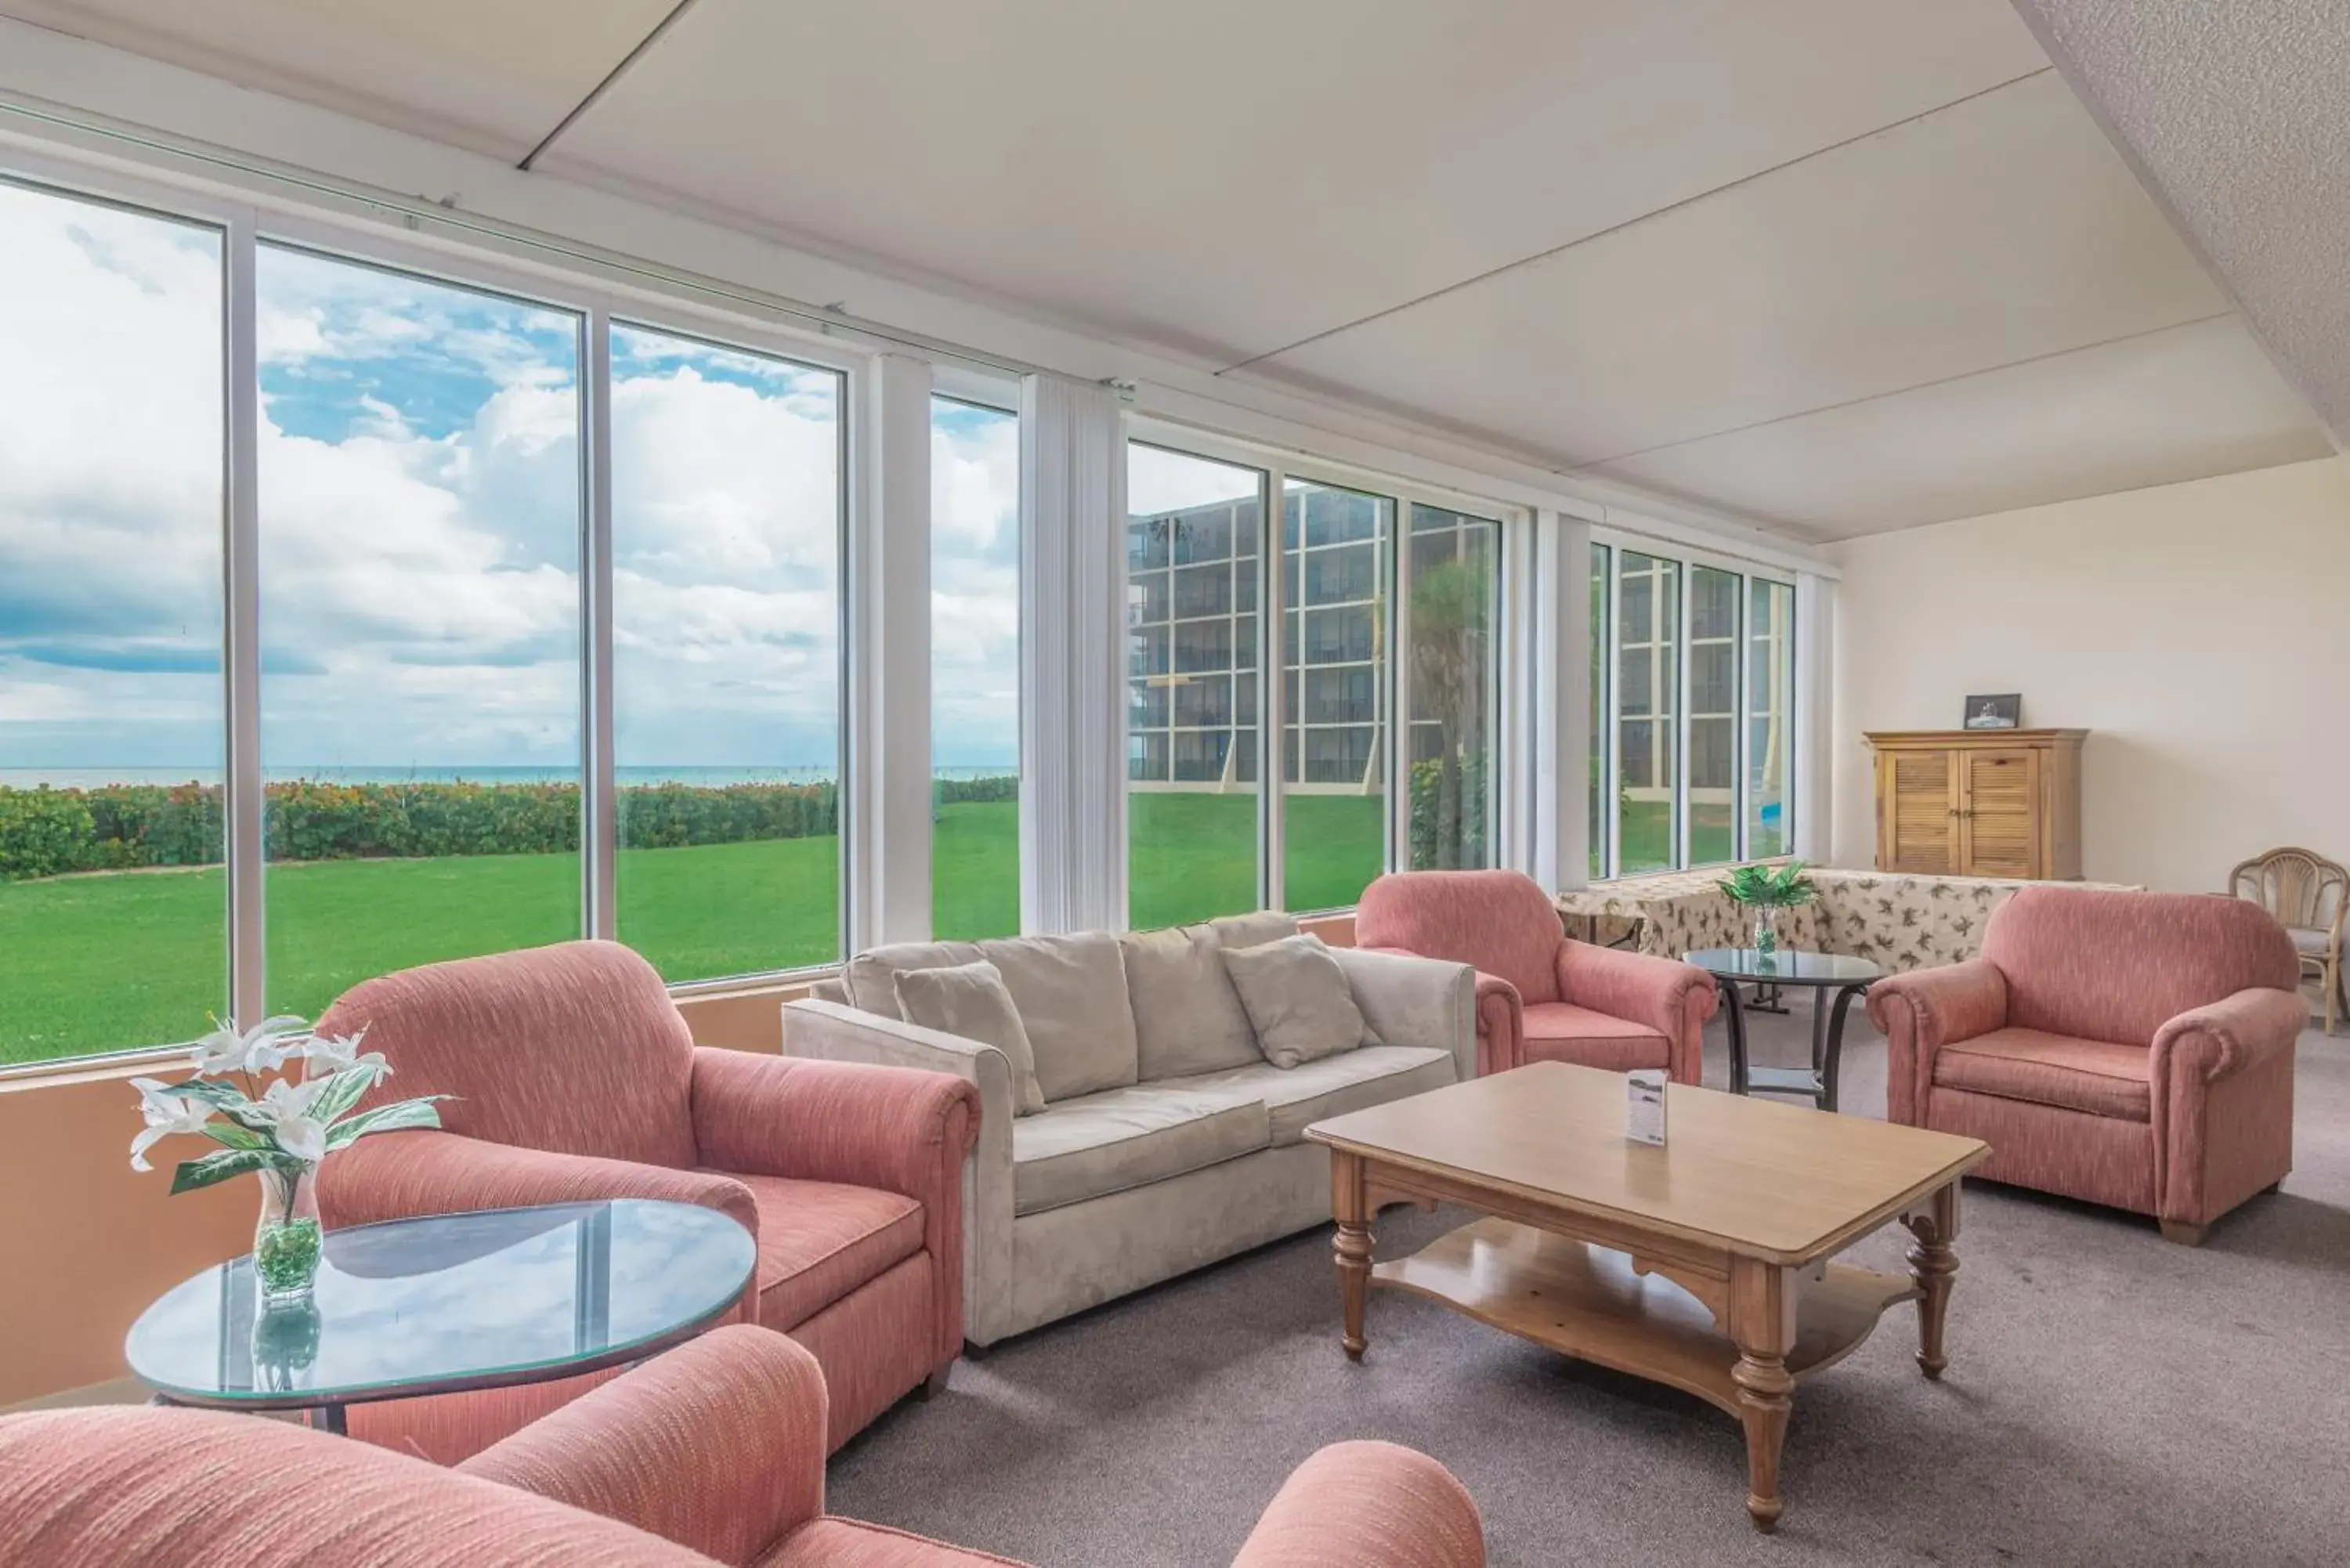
(1823, 973)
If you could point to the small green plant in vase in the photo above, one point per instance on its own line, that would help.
(278, 1099)
(1765, 890)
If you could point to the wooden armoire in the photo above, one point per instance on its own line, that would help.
(1979, 802)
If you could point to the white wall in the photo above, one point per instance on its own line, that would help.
(2196, 630)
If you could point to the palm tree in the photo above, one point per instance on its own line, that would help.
(1449, 633)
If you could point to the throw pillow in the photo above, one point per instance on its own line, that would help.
(1299, 1000)
(969, 1000)
(1188, 1019)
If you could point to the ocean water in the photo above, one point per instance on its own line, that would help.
(707, 777)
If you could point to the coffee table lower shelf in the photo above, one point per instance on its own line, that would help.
(1597, 1304)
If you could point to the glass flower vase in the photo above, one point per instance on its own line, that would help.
(1766, 931)
(287, 1239)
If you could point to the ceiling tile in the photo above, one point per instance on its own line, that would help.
(1995, 231)
(2180, 404)
(494, 78)
(1230, 177)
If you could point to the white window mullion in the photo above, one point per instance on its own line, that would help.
(1272, 735)
(244, 813)
(1396, 697)
(600, 812)
(887, 792)
(1612, 652)
(1807, 642)
(1683, 580)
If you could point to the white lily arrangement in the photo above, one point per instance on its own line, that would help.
(283, 1124)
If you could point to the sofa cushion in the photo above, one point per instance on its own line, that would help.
(1104, 1142)
(1187, 1018)
(818, 1240)
(968, 1000)
(1298, 999)
(2315, 943)
(1563, 1031)
(1070, 990)
(2093, 1076)
(1253, 929)
(1297, 1097)
(872, 975)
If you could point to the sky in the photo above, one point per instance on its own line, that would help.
(419, 526)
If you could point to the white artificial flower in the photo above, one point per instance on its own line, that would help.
(287, 1107)
(268, 1045)
(166, 1115)
(328, 1056)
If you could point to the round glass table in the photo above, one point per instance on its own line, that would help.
(448, 1302)
(1823, 974)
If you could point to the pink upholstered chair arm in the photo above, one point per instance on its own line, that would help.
(1367, 1505)
(900, 1129)
(1672, 998)
(1925, 1010)
(2229, 1036)
(717, 1444)
(1500, 1019)
(400, 1174)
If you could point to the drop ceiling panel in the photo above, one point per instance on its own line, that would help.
(1998, 230)
(2180, 404)
(493, 76)
(1230, 176)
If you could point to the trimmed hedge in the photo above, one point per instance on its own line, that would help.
(49, 832)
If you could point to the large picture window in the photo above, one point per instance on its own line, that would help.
(726, 525)
(113, 905)
(1693, 679)
(974, 670)
(1384, 688)
(1194, 542)
(1453, 603)
(1336, 557)
(419, 553)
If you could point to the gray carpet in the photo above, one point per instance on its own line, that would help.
(2111, 1399)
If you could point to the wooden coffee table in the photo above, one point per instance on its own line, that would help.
(1701, 1264)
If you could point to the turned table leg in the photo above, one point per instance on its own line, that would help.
(1350, 1204)
(1763, 1322)
(1935, 1268)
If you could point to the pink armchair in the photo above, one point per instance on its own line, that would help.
(1541, 996)
(2132, 1049)
(575, 1078)
(710, 1454)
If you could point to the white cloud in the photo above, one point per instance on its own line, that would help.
(1158, 481)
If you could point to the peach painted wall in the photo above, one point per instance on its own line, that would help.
(89, 1242)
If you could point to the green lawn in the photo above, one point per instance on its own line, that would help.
(105, 962)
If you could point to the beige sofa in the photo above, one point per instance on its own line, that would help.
(1166, 1141)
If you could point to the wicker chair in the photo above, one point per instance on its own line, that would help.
(2309, 895)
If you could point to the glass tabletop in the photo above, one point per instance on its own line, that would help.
(450, 1302)
(1788, 966)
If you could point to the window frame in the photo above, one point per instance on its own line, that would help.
(480, 265)
(1507, 683)
(1609, 690)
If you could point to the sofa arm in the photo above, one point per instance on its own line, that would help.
(717, 1444)
(1367, 1505)
(1923, 1011)
(397, 1175)
(1500, 1014)
(2228, 1036)
(1412, 1000)
(833, 1032)
(1665, 994)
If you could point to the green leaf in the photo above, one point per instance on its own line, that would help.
(406, 1114)
(235, 1136)
(342, 1092)
(209, 1091)
(225, 1166)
